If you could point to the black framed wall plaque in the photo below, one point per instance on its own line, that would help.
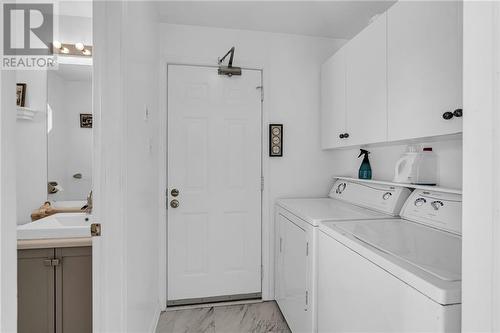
(275, 140)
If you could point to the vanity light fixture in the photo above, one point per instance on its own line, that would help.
(79, 46)
(72, 49)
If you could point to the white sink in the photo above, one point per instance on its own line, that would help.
(63, 225)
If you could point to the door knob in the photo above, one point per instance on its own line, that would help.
(341, 136)
(458, 113)
(174, 192)
(346, 135)
(174, 203)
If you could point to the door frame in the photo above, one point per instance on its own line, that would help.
(266, 238)
(8, 225)
(481, 182)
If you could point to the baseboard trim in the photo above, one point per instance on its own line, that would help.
(156, 319)
(214, 299)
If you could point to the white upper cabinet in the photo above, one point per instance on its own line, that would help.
(333, 104)
(366, 84)
(424, 46)
(398, 79)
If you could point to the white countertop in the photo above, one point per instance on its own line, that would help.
(57, 226)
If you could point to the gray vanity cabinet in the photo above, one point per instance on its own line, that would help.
(55, 290)
(74, 290)
(36, 291)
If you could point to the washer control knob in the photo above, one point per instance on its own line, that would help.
(340, 188)
(419, 202)
(437, 204)
(387, 195)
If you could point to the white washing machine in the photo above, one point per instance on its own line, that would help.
(398, 275)
(296, 225)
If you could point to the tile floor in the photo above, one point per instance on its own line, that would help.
(263, 317)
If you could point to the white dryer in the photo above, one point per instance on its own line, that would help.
(296, 226)
(398, 275)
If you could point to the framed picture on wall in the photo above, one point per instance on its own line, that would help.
(85, 120)
(20, 94)
(275, 140)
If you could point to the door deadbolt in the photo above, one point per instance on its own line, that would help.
(174, 203)
(174, 192)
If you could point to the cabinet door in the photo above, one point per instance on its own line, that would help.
(294, 275)
(424, 68)
(35, 291)
(74, 290)
(366, 85)
(333, 100)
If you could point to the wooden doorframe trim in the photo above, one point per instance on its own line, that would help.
(267, 286)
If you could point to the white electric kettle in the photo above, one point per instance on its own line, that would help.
(404, 172)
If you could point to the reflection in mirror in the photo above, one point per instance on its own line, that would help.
(69, 128)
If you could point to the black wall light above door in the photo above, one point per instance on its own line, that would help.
(275, 140)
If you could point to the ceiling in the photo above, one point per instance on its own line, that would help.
(332, 19)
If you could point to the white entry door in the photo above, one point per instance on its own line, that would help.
(214, 162)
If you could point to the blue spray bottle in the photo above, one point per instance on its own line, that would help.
(365, 170)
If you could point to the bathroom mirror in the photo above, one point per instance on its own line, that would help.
(69, 130)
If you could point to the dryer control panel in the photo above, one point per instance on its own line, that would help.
(436, 209)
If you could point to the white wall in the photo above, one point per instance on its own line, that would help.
(126, 166)
(74, 29)
(58, 134)
(31, 146)
(142, 158)
(291, 71)
(383, 160)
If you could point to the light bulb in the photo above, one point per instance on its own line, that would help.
(57, 44)
(86, 52)
(79, 46)
(65, 50)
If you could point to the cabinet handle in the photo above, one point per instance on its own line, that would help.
(447, 115)
(346, 135)
(458, 113)
(341, 136)
(52, 262)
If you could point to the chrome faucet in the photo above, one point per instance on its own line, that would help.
(88, 207)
